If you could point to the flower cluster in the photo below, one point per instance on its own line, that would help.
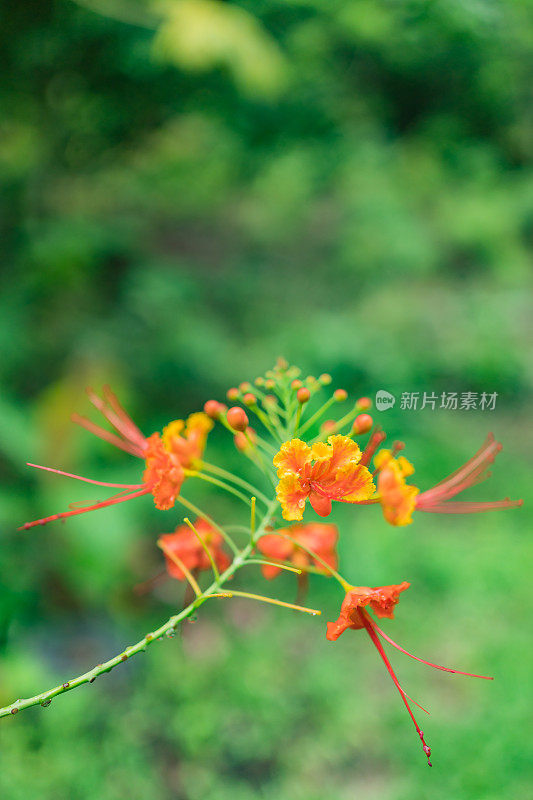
(300, 456)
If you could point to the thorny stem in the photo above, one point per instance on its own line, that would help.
(167, 629)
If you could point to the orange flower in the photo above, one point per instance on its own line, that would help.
(382, 601)
(322, 473)
(316, 536)
(187, 440)
(166, 456)
(185, 545)
(398, 499)
(164, 473)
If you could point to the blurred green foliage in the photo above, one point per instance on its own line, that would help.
(189, 189)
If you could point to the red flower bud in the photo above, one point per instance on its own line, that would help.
(269, 400)
(340, 395)
(303, 395)
(214, 409)
(245, 387)
(364, 403)
(249, 399)
(296, 384)
(270, 384)
(325, 379)
(259, 381)
(362, 424)
(233, 393)
(237, 419)
(329, 426)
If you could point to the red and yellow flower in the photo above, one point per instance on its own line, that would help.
(166, 456)
(382, 600)
(317, 537)
(321, 473)
(399, 499)
(184, 544)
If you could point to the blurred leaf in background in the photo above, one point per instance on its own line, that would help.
(188, 190)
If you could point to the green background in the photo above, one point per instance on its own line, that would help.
(189, 190)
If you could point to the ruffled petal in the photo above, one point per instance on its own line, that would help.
(291, 496)
(292, 457)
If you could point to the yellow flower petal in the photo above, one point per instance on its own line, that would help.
(291, 496)
(292, 457)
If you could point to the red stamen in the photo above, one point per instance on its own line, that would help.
(135, 435)
(65, 514)
(107, 436)
(373, 443)
(460, 479)
(465, 507)
(87, 480)
(423, 661)
(369, 625)
(124, 428)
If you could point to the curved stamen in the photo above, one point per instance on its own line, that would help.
(63, 515)
(423, 661)
(86, 480)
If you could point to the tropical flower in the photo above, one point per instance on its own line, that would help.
(322, 473)
(318, 537)
(382, 600)
(184, 544)
(166, 456)
(399, 500)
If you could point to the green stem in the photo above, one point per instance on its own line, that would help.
(167, 629)
(193, 474)
(229, 476)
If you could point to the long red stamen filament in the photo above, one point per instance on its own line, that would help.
(423, 661)
(107, 436)
(135, 435)
(86, 480)
(81, 503)
(112, 501)
(465, 507)
(461, 478)
(373, 443)
(120, 425)
(369, 625)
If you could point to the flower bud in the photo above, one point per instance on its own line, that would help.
(259, 381)
(362, 424)
(270, 384)
(237, 418)
(325, 379)
(244, 441)
(340, 395)
(364, 403)
(269, 400)
(233, 393)
(214, 409)
(282, 363)
(329, 426)
(296, 384)
(249, 399)
(245, 386)
(303, 395)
